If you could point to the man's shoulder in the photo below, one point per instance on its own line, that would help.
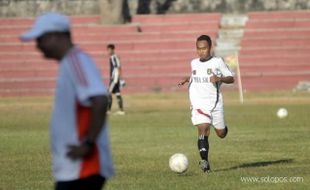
(217, 59)
(79, 59)
(115, 56)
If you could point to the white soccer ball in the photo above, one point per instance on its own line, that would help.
(178, 163)
(282, 113)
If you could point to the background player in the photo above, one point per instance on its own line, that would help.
(208, 73)
(116, 83)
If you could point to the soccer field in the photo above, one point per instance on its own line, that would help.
(260, 151)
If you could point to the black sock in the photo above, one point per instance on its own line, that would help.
(120, 102)
(226, 130)
(203, 147)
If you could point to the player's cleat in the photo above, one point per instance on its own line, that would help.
(205, 166)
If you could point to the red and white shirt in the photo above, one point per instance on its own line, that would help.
(78, 81)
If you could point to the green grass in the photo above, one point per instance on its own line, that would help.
(157, 126)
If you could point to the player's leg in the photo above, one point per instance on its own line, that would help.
(203, 146)
(201, 119)
(120, 101)
(119, 98)
(219, 123)
(203, 142)
(222, 133)
(115, 91)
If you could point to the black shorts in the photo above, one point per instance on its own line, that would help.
(116, 88)
(95, 182)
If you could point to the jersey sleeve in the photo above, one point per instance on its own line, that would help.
(86, 78)
(225, 70)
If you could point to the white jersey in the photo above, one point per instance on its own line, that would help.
(78, 80)
(203, 93)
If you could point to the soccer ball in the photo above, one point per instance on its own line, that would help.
(178, 163)
(282, 113)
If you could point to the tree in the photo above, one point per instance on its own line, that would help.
(114, 11)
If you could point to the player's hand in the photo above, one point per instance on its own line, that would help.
(78, 151)
(214, 79)
(181, 83)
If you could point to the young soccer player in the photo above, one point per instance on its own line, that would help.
(115, 79)
(208, 73)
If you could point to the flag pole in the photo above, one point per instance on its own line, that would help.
(239, 79)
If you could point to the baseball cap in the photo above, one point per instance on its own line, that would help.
(47, 22)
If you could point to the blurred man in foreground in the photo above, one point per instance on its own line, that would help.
(78, 131)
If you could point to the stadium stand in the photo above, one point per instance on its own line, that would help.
(155, 51)
(275, 50)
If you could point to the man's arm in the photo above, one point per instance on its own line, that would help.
(183, 81)
(97, 120)
(227, 80)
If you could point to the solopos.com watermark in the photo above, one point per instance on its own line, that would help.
(271, 179)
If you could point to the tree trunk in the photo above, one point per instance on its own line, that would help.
(111, 11)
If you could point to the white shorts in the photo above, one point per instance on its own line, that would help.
(215, 117)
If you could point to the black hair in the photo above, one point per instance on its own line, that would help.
(68, 34)
(111, 46)
(205, 38)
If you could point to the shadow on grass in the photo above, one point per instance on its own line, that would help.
(256, 164)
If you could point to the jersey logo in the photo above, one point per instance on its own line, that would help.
(209, 71)
(194, 72)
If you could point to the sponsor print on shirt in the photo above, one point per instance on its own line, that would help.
(200, 79)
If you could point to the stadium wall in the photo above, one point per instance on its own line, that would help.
(30, 8)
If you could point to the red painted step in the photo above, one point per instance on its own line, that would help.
(278, 24)
(272, 60)
(29, 21)
(131, 37)
(125, 37)
(179, 27)
(275, 42)
(176, 18)
(277, 68)
(78, 29)
(275, 15)
(137, 56)
(284, 51)
(101, 46)
(277, 34)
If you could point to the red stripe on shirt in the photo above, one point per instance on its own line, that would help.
(78, 69)
(201, 112)
(90, 165)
